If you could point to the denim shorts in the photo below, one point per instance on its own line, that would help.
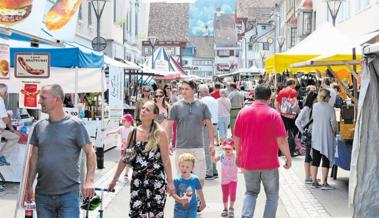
(54, 206)
(188, 213)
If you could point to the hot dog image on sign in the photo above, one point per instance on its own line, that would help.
(60, 18)
(32, 65)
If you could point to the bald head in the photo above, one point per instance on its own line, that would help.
(55, 90)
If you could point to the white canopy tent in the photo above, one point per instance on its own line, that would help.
(89, 80)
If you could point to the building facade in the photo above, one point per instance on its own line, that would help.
(256, 31)
(119, 25)
(198, 56)
(169, 23)
(226, 48)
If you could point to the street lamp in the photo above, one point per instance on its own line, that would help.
(152, 40)
(334, 7)
(98, 7)
(280, 41)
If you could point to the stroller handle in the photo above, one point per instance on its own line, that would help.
(104, 189)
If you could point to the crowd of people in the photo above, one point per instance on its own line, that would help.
(188, 121)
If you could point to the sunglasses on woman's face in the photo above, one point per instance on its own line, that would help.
(158, 96)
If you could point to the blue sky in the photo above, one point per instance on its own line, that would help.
(201, 14)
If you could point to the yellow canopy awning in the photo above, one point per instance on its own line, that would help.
(321, 63)
(279, 63)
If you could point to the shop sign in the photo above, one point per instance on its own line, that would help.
(32, 65)
(4, 61)
(116, 92)
(29, 95)
(161, 65)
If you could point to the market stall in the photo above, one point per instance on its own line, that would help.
(343, 59)
(69, 67)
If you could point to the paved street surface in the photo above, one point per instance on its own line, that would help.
(297, 200)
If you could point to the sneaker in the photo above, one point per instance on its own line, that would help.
(308, 181)
(231, 212)
(315, 185)
(326, 187)
(224, 213)
(4, 161)
(215, 175)
(208, 177)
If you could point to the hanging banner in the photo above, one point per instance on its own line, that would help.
(116, 92)
(4, 61)
(29, 95)
(32, 65)
(22, 15)
(60, 19)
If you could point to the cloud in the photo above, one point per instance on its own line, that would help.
(227, 9)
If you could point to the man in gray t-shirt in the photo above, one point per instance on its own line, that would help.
(191, 115)
(56, 144)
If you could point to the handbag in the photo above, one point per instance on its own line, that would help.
(306, 135)
(130, 153)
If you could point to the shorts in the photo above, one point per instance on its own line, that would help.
(200, 164)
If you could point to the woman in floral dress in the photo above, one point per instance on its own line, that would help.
(152, 173)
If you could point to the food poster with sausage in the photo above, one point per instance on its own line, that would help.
(29, 94)
(4, 61)
(22, 15)
(32, 65)
(60, 18)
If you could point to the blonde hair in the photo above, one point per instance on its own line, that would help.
(322, 95)
(187, 157)
(154, 134)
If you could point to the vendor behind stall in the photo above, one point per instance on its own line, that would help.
(10, 136)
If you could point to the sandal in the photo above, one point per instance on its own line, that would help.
(224, 213)
(231, 212)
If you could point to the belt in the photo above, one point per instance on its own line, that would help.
(214, 123)
(236, 108)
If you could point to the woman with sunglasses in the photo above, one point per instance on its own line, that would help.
(164, 109)
(141, 101)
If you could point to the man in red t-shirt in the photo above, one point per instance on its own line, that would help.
(216, 92)
(287, 105)
(258, 133)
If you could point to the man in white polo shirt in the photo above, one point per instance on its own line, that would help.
(213, 108)
(9, 135)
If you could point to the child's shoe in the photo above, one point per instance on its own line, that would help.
(224, 213)
(231, 212)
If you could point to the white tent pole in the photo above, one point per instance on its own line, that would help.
(102, 75)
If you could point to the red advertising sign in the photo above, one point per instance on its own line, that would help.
(30, 93)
